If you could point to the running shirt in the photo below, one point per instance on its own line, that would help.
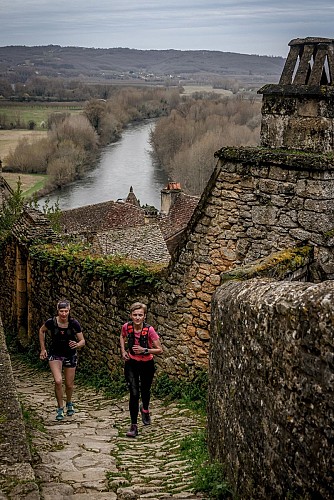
(152, 335)
(60, 337)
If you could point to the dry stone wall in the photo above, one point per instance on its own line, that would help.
(258, 201)
(271, 375)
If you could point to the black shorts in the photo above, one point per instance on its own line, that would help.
(68, 362)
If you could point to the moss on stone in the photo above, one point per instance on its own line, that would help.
(123, 269)
(278, 265)
(288, 158)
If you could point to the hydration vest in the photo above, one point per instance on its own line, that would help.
(143, 339)
(60, 342)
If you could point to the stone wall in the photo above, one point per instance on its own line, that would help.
(271, 375)
(258, 201)
(101, 304)
(17, 477)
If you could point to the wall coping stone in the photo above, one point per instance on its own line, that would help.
(281, 265)
(289, 159)
(321, 91)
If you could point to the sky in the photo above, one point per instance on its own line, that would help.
(263, 27)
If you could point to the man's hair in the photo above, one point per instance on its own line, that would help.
(138, 305)
(63, 304)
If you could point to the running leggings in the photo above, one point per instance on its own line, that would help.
(139, 377)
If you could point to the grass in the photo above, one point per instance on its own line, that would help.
(23, 113)
(10, 138)
(210, 476)
(30, 183)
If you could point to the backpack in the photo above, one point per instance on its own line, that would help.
(58, 340)
(143, 339)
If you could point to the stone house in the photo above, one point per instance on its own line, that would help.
(124, 227)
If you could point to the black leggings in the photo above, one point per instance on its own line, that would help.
(139, 377)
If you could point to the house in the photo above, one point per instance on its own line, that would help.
(124, 227)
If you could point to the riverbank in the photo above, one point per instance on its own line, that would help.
(123, 164)
(116, 161)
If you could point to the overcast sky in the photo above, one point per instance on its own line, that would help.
(262, 27)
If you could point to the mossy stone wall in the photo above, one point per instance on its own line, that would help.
(271, 373)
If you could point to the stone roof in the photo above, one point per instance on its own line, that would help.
(140, 243)
(179, 215)
(31, 225)
(101, 217)
(125, 228)
(132, 198)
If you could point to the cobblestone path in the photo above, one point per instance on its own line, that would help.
(88, 456)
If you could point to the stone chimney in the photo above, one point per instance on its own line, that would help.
(298, 112)
(168, 196)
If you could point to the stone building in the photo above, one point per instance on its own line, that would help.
(126, 228)
(270, 408)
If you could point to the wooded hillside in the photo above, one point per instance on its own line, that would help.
(21, 63)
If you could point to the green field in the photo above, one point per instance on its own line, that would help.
(30, 183)
(21, 113)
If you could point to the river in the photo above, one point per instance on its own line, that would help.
(125, 163)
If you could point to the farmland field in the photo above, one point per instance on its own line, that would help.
(23, 113)
(19, 114)
(29, 182)
(191, 89)
(10, 138)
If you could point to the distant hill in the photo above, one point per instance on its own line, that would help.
(92, 64)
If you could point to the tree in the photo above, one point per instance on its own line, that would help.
(12, 208)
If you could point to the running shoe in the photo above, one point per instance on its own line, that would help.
(145, 416)
(69, 409)
(60, 414)
(133, 431)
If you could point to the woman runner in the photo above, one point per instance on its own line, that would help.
(142, 343)
(66, 337)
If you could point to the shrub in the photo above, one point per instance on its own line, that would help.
(192, 393)
(210, 477)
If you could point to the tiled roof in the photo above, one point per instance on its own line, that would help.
(141, 243)
(123, 228)
(33, 224)
(178, 216)
(101, 217)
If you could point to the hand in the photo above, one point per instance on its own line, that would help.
(73, 344)
(43, 354)
(125, 356)
(138, 349)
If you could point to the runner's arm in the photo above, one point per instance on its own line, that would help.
(80, 342)
(125, 355)
(42, 331)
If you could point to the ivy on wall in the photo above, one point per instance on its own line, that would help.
(133, 273)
